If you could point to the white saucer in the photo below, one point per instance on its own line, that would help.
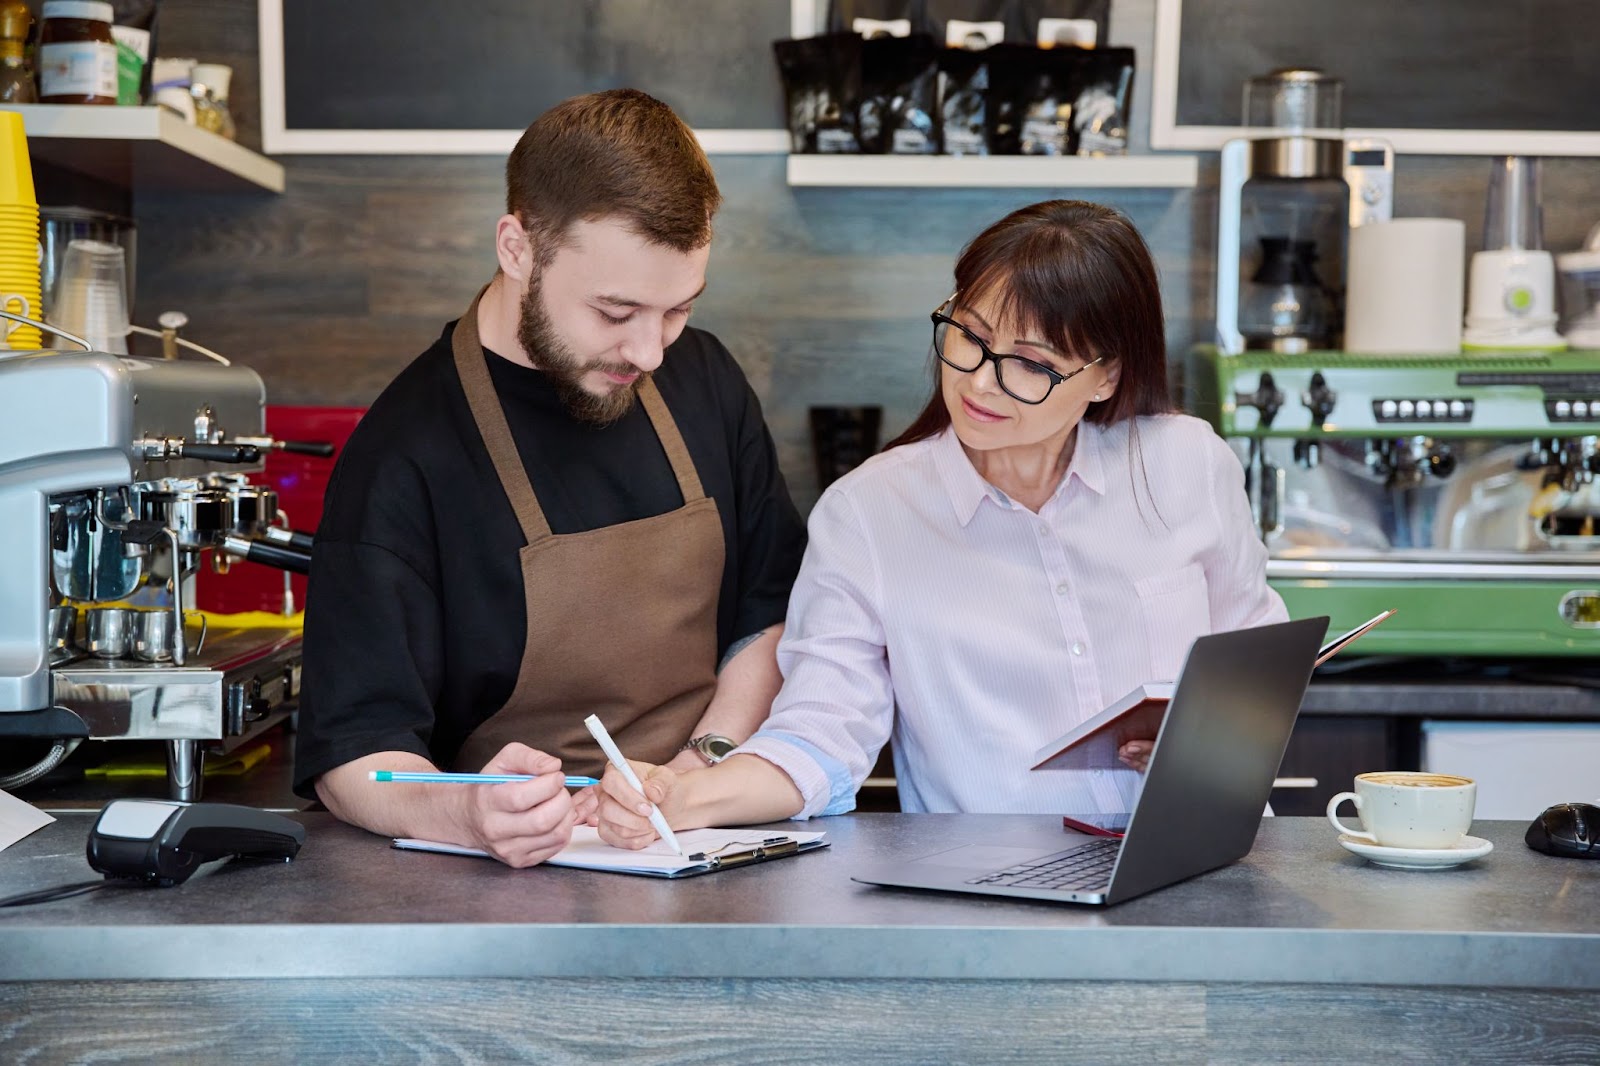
(1465, 850)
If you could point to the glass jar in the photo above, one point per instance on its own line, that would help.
(77, 56)
(16, 76)
(1294, 98)
(208, 84)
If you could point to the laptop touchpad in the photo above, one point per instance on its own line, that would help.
(980, 857)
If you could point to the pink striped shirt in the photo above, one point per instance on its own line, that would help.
(933, 608)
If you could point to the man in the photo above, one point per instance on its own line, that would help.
(568, 505)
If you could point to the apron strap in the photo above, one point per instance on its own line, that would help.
(473, 367)
(672, 441)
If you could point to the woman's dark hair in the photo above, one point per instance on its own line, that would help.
(1080, 275)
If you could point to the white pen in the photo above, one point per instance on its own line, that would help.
(609, 746)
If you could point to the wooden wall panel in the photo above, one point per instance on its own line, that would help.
(822, 294)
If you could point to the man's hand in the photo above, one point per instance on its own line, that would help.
(586, 806)
(521, 823)
(624, 815)
(1136, 753)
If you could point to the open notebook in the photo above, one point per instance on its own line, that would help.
(707, 850)
(1093, 744)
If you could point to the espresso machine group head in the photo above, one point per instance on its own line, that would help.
(117, 475)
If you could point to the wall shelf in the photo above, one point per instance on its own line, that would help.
(147, 147)
(1039, 172)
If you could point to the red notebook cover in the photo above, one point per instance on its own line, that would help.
(1093, 745)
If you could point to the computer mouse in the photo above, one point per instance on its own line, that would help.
(163, 842)
(1570, 830)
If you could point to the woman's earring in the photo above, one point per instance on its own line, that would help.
(1097, 396)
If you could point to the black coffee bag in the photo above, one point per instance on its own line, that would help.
(1100, 109)
(1031, 95)
(963, 98)
(822, 91)
(898, 96)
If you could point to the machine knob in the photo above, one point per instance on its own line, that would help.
(1319, 399)
(1267, 399)
(1441, 461)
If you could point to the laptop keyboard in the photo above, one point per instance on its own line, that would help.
(1086, 867)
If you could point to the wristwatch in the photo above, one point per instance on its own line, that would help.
(712, 748)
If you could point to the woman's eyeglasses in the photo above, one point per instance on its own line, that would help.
(1023, 379)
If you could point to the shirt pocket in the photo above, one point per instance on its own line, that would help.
(1174, 610)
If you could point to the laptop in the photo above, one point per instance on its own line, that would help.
(1206, 784)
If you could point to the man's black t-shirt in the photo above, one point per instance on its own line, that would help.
(415, 618)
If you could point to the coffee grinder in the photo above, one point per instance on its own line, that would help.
(1289, 197)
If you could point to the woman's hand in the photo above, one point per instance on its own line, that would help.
(1136, 753)
(623, 816)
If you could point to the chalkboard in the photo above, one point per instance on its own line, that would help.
(1467, 75)
(362, 66)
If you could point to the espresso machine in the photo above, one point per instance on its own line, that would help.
(119, 478)
(1462, 490)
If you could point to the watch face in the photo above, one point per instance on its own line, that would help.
(715, 748)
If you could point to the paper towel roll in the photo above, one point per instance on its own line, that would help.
(1404, 289)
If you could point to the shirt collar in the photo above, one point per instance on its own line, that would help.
(968, 490)
(1088, 458)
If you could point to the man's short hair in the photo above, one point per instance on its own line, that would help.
(613, 153)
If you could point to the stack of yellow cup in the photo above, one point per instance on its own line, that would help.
(19, 236)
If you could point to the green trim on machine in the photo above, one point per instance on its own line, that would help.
(1509, 392)
(1460, 618)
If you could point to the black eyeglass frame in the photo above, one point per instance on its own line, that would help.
(1056, 377)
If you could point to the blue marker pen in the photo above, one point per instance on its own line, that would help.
(413, 778)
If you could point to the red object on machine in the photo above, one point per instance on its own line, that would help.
(301, 482)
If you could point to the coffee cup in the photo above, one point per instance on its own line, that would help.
(155, 635)
(108, 632)
(63, 627)
(1409, 809)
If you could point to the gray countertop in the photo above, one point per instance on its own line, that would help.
(1507, 700)
(1298, 909)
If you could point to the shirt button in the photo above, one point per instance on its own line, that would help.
(1044, 530)
(1077, 647)
(1061, 589)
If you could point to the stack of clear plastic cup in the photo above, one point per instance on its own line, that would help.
(91, 298)
(19, 235)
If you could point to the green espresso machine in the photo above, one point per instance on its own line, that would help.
(1460, 490)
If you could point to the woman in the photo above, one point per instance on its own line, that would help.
(1046, 536)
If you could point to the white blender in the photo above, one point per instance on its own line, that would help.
(1581, 273)
(1511, 297)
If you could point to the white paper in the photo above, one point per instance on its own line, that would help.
(18, 819)
(588, 852)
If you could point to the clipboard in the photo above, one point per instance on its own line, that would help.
(1093, 744)
(708, 851)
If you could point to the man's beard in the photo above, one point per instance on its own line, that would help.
(538, 337)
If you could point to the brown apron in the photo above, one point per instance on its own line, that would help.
(622, 621)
